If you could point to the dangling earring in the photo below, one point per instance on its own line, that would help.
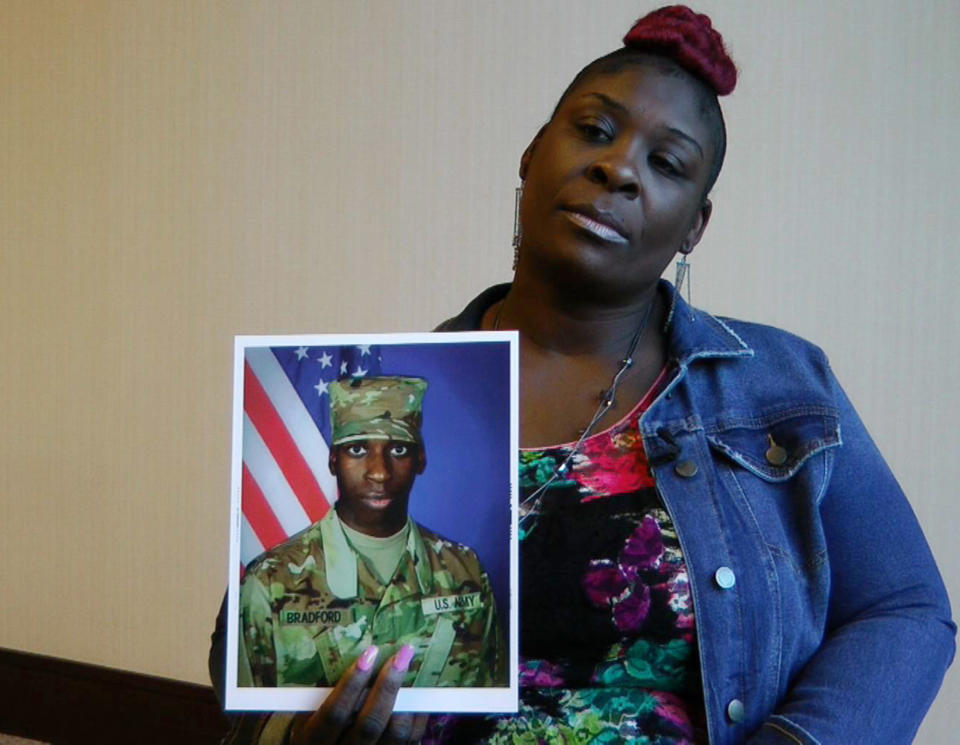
(683, 269)
(516, 226)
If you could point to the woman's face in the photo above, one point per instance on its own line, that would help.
(614, 183)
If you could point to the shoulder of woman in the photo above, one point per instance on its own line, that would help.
(766, 340)
(470, 317)
(772, 369)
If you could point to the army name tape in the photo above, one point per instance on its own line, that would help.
(447, 603)
(292, 617)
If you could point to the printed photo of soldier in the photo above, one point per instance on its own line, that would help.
(367, 573)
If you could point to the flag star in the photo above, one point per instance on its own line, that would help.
(301, 353)
(325, 360)
(359, 372)
(321, 387)
(343, 368)
(364, 349)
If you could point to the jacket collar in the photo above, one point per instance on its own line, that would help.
(695, 334)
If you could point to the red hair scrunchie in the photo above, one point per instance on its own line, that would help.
(690, 40)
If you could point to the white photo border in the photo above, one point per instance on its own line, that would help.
(454, 700)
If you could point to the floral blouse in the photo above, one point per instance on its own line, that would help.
(607, 636)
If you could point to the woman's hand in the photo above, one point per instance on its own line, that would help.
(338, 719)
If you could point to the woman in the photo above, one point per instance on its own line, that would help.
(713, 550)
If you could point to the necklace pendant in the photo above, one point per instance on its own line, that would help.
(530, 507)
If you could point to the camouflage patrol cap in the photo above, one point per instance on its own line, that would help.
(379, 408)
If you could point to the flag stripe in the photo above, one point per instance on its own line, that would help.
(274, 487)
(283, 448)
(258, 513)
(250, 545)
(295, 416)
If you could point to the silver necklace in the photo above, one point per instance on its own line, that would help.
(530, 506)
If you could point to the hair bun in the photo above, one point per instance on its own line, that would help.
(690, 40)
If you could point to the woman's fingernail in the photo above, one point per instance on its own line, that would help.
(402, 660)
(368, 657)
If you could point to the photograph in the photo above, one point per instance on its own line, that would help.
(371, 517)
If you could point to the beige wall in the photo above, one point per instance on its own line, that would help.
(174, 173)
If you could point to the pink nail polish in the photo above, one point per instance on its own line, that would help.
(368, 657)
(402, 660)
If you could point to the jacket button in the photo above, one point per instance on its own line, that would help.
(686, 468)
(725, 578)
(735, 710)
(776, 455)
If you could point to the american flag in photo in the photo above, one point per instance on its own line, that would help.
(286, 483)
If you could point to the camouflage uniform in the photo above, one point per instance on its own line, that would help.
(309, 607)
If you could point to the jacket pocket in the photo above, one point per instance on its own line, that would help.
(773, 470)
(776, 445)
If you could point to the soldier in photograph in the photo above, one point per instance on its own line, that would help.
(367, 576)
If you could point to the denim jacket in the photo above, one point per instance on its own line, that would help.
(821, 616)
